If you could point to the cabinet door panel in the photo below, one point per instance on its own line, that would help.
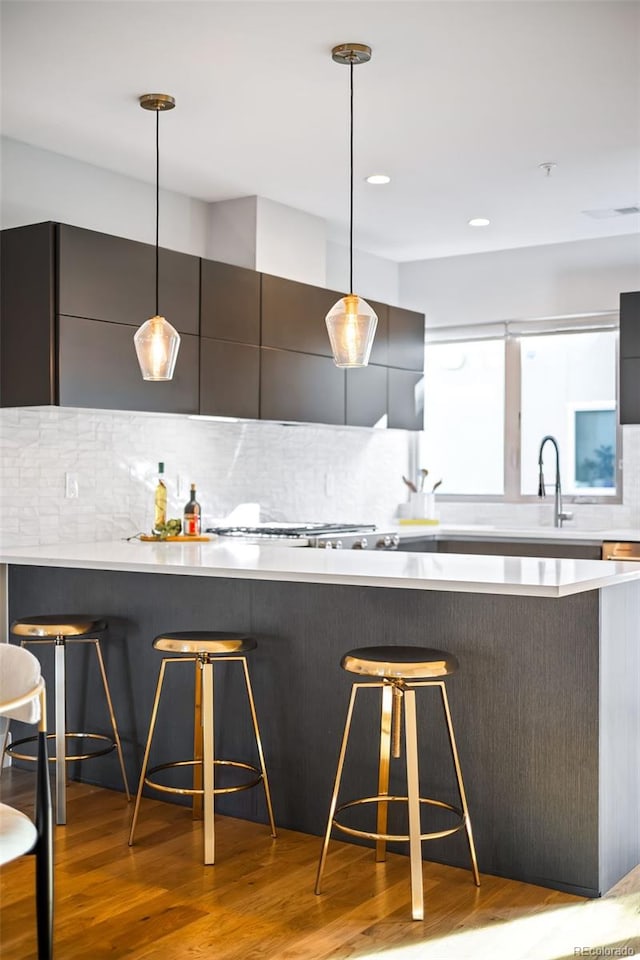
(110, 278)
(630, 324)
(229, 379)
(293, 315)
(630, 390)
(27, 331)
(366, 396)
(298, 386)
(380, 350)
(406, 399)
(406, 339)
(230, 303)
(98, 368)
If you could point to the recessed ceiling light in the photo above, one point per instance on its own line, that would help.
(479, 222)
(378, 178)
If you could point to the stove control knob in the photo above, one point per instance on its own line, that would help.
(332, 544)
(360, 544)
(395, 541)
(384, 543)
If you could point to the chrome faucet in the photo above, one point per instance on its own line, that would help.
(558, 514)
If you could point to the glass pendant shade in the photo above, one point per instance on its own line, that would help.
(351, 325)
(157, 344)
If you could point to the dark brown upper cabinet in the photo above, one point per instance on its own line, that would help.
(405, 399)
(98, 368)
(230, 303)
(229, 379)
(366, 396)
(293, 315)
(28, 374)
(86, 358)
(299, 386)
(380, 348)
(630, 324)
(110, 278)
(630, 357)
(405, 339)
(253, 345)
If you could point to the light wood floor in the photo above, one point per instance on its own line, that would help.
(158, 902)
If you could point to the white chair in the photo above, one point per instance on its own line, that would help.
(22, 697)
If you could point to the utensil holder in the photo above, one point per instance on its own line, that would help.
(423, 506)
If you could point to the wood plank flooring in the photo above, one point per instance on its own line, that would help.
(158, 902)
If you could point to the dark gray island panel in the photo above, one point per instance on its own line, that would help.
(545, 704)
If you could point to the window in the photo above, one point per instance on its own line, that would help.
(464, 416)
(489, 402)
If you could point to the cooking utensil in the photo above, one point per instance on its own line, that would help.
(423, 476)
(410, 484)
(436, 485)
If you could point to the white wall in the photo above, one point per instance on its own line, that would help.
(290, 243)
(38, 185)
(560, 279)
(231, 233)
(373, 277)
(253, 232)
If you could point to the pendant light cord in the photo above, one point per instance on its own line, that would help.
(351, 183)
(157, 206)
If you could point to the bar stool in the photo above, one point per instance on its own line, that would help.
(400, 669)
(205, 649)
(61, 631)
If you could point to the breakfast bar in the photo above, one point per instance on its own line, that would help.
(546, 703)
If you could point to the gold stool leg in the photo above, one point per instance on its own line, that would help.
(61, 722)
(256, 729)
(147, 749)
(383, 769)
(413, 800)
(463, 796)
(208, 742)
(336, 787)
(114, 726)
(196, 806)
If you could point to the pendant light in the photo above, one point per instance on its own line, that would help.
(351, 323)
(156, 341)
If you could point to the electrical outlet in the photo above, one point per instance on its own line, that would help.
(71, 488)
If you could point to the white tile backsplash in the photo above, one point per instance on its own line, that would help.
(296, 472)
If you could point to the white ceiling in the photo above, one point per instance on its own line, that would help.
(459, 105)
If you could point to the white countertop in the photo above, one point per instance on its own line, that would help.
(523, 576)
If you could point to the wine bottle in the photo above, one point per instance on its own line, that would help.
(160, 501)
(191, 525)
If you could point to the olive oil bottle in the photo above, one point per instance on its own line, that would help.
(160, 501)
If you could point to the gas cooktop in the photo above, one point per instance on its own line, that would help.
(348, 536)
(273, 531)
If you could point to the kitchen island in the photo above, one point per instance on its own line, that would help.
(546, 703)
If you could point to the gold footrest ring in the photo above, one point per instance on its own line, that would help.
(369, 835)
(192, 791)
(11, 750)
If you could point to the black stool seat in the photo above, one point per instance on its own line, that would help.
(213, 642)
(60, 625)
(399, 663)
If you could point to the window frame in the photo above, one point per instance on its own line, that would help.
(513, 333)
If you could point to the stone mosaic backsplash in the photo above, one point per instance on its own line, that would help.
(295, 472)
(300, 472)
